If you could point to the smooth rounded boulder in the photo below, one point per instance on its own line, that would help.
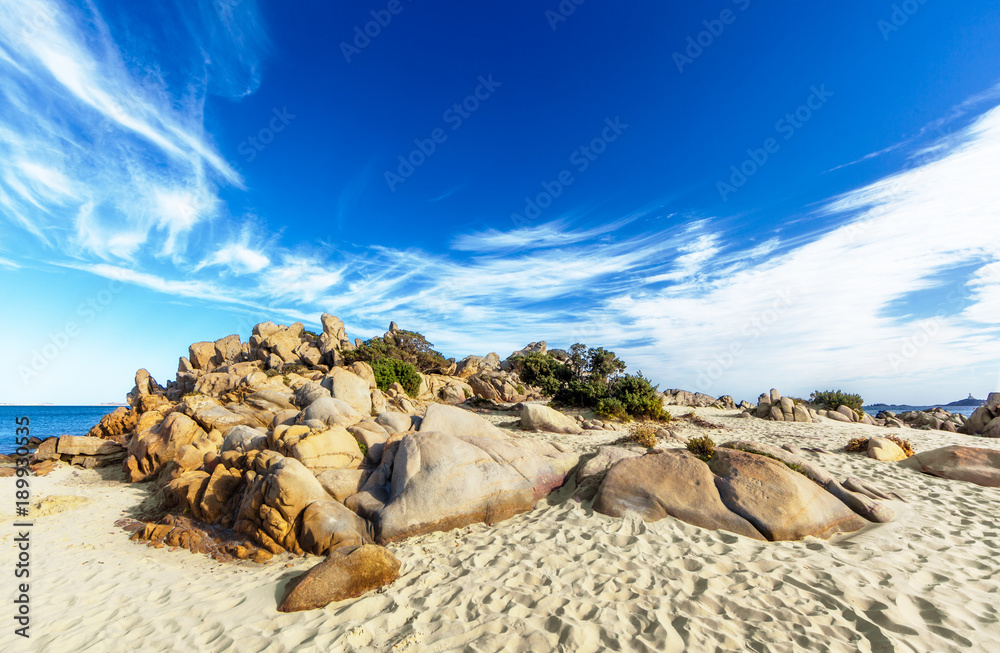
(536, 417)
(440, 482)
(442, 418)
(348, 572)
(972, 464)
(672, 483)
(780, 503)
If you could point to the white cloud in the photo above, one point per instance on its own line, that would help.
(551, 234)
(101, 145)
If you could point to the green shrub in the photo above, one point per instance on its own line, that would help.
(407, 346)
(392, 370)
(702, 447)
(834, 399)
(610, 408)
(639, 397)
(582, 393)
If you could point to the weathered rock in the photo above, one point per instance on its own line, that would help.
(973, 464)
(347, 573)
(780, 503)
(119, 422)
(333, 448)
(84, 445)
(200, 354)
(342, 483)
(349, 387)
(372, 436)
(307, 393)
(591, 473)
(398, 422)
(271, 399)
(885, 450)
(458, 421)
(848, 413)
(673, 483)
(837, 416)
(150, 450)
(271, 507)
(535, 417)
(243, 439)
(328, 525)
(93, 462)
(992, 429)
(675, 397)
(47, 450)
(440, 482)
(216, 493)
(331, 412)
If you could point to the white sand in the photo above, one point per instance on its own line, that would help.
(558, 578)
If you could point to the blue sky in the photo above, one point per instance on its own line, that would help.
(732, 196)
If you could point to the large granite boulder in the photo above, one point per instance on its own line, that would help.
(347, 386)
(331, 411)
(439, 482)
(348, 572)
(672, 483)
(754, 483)
(243, 439)
(885, 450)
(327, 525)
(782, 504)
(271, 506)
(119, 422)
(535, 417)
(330, 448)
(441, 418)
(150, 450)
(84, 445)
(973, 464)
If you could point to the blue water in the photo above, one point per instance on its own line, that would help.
(46, 421)
(964, 410)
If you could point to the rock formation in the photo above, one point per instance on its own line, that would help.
(748, 488)
(972, 464)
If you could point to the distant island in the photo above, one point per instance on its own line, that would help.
(970, 401)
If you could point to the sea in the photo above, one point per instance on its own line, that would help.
(46, 421)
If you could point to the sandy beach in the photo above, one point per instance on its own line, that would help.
(560, 577)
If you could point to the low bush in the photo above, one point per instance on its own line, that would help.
(392, 370)
(902, 444)
(857, 445)
(610, 408)
(645, 435)
(703, 447)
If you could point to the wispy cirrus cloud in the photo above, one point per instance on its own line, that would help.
(103, 152)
